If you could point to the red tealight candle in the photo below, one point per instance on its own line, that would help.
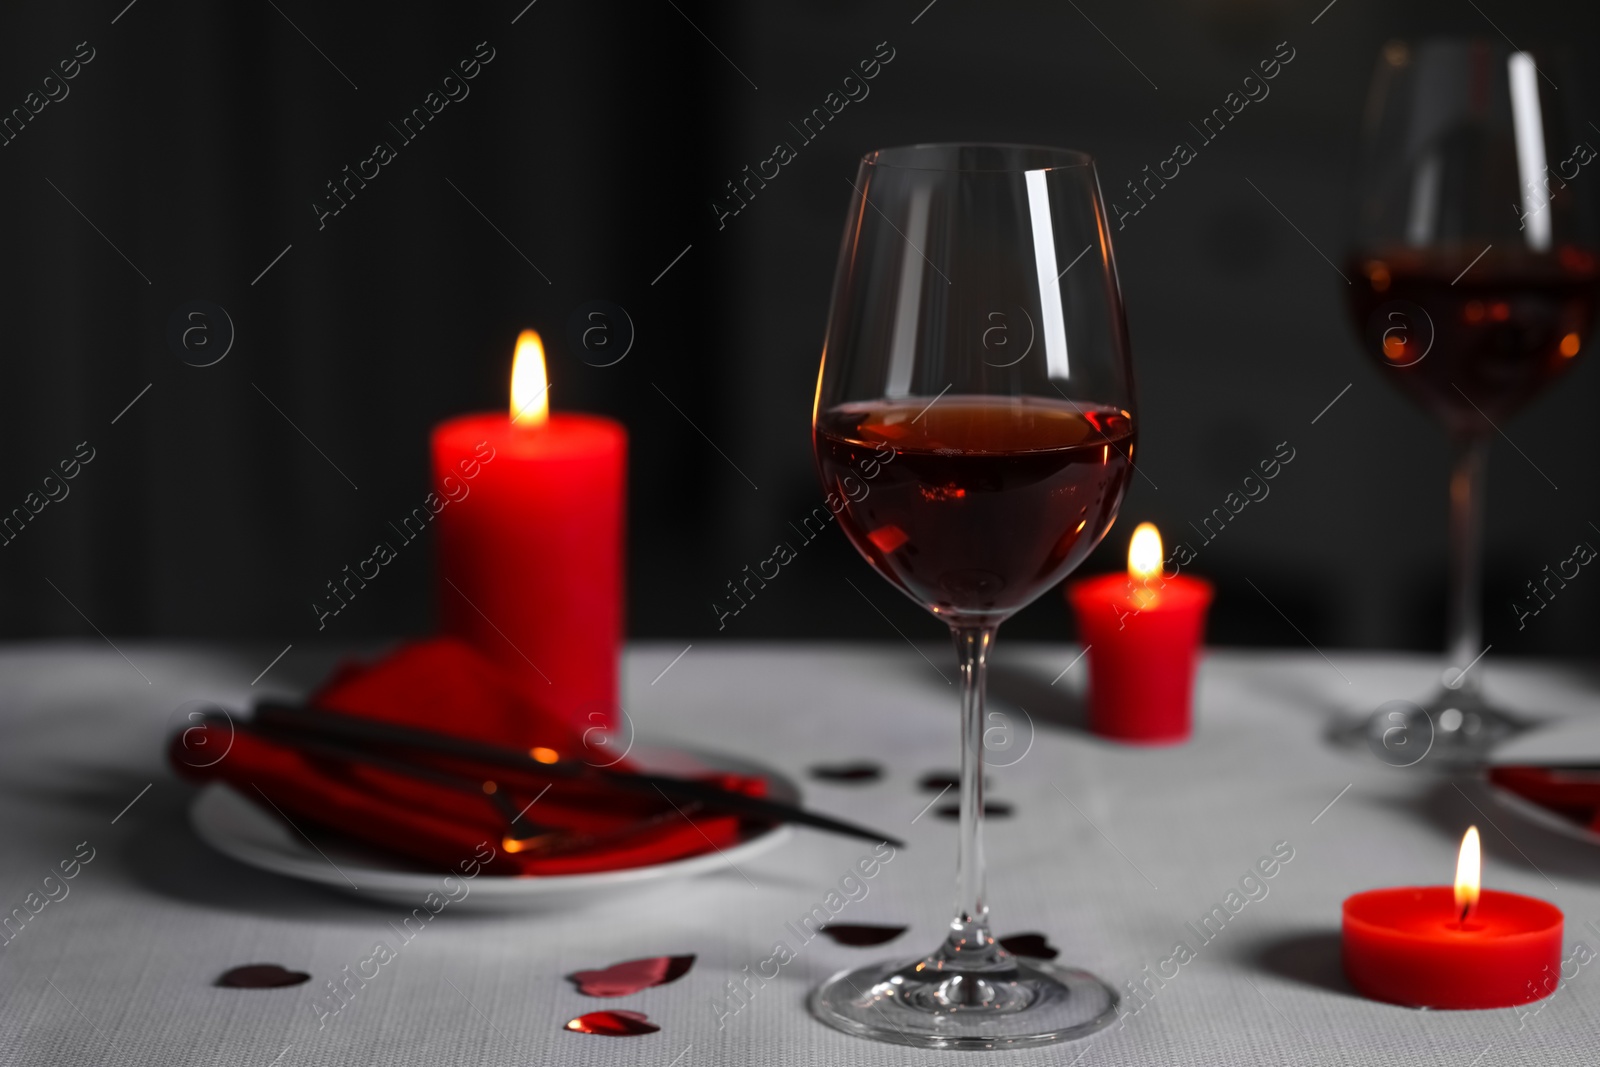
(1452, 947)
(1141, 632)
(531, 545)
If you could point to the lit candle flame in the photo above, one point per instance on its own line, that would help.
(1468, 876)
(530, 386)
(1144, 552)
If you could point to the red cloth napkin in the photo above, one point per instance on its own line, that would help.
(445, 686)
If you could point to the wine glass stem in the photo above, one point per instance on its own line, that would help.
(1465, 635)
(969, 929)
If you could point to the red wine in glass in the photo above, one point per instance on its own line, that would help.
(985, 502)
(1474, 340)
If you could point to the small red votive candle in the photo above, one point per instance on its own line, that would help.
(531, 548)
(1412, 946)
(1142, 632)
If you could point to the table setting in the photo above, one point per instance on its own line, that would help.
(527, 834)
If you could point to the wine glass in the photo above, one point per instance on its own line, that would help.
(974, 431)
(1473, 283)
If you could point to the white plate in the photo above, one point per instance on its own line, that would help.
(1575, 740)
(242, 829)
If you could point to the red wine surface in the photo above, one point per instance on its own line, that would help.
(1495, 333)
(986, 502)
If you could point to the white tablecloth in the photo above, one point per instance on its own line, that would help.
(1111, 852)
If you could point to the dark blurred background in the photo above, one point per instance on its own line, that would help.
(190, 151)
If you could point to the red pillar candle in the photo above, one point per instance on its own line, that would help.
(1142, 633)
(1440, 947)
(530, 564)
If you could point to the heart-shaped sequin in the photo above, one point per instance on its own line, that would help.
(613, 1023)
(1033, 946)
(860, 934)
(262, 976)
(630, 976)
(848, 773)
(940, 781)
(992, 809)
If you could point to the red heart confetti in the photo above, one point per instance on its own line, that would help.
(262, 976)
(630, 976)
(992, 809)
(940, 781)
(850, 773)
(613, 1024)
(861, 934)
(1033, 946)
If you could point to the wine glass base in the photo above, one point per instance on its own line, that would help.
(1465, 727)
(1034, 1003)
(1450, 730)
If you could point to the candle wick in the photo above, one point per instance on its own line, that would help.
(1464, 909)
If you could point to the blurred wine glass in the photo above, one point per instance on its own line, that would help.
(1473, 271)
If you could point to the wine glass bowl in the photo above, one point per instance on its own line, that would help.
(974, 430)
(1474, 342)
(977, 339)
